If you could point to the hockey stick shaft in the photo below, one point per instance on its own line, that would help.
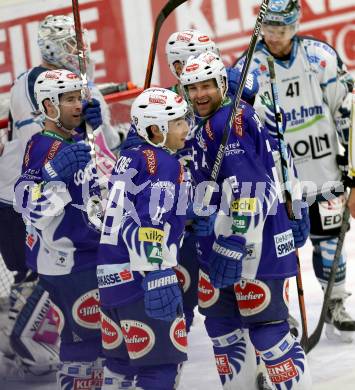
(288, 193)
(315, 336)
(162, 16)
(82, 68)
(235, 103)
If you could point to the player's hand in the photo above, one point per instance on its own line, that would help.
(225, 260)
(92, 113)
(162, 295)
(301, 226)
(67, 162)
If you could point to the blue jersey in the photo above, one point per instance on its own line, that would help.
(144, 218)
(60, 238)
(247, 197)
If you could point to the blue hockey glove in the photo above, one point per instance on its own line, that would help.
(68, 161)
(251, 86)
(162, 295)
(225, 260)
(92, 113)
(301, 226)
(203, 226)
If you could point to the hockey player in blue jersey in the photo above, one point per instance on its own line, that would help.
(314, 89)
(250, 256)
(57, 44)
(143, 330)
(55, 194)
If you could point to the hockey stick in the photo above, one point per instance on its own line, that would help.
(160, 19)
(288, 194)
(235, 104)
(82, 68)
(315, 336)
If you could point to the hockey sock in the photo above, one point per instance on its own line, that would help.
(234, 353)
(118, 374)
(323, 256)
(283, 356)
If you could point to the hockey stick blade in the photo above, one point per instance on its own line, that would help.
(162, 16)
(235, 103)
(315, 336)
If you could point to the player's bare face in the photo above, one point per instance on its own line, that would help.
(278, 39)
(70, 105)
(205, 97)
(178, 130)
(178, 67)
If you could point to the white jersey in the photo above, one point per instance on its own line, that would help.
(26, 121)
(312, 86)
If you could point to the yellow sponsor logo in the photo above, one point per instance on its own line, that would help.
(150, 235)
(244, 205)
(36, 192)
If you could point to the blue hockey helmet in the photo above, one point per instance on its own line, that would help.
(282, 12)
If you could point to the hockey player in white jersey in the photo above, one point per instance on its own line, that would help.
(314, 91)
(54, 194)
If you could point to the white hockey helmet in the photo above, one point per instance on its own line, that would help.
(181, 45)
(206, 66)
(282, 13)
(57, 42)
(51, 84)
(157, 106)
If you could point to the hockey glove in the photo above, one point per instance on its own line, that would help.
(203, 226)
(91, 113)
(162, 295)
(225, 260)
(251, 86)
(300, 227)
(67, 162)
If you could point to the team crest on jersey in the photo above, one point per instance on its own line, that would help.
(178, 335)
(238, 123)
(209, 130)
(139, 338)
(111, 334)
(253, 296)
(207, 294)
(222, 363)
(86, 310)
(183, 277)
(151, 161)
